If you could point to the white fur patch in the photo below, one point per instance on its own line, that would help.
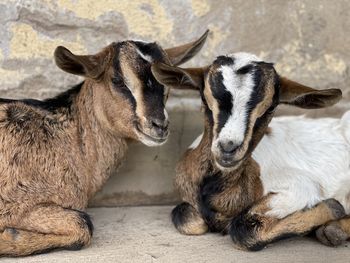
(148, 142)
(196, 142)
(166, 114)
(242, 59)
(305, 161)
(241, 89)
(144, 56)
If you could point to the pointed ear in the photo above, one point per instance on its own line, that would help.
(296, 94)
(178, 78)
(87, 66)
(181, 54)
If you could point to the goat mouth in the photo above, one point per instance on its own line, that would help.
(227, 164)
(158, 140)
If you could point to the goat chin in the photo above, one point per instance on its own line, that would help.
(227, 169)
(146, 140)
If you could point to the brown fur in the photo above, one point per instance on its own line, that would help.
(268, 131)
(52, 160)
(305, 97)
(238, 189)
(254, 229)
(256, 135)
(220, 195)
(56, 154)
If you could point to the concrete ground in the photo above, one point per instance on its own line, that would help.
(145, 234)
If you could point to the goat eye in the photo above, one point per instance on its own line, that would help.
(117, 81)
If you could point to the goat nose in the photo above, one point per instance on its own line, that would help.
(228, 147)
(157, 123)
(160, 125)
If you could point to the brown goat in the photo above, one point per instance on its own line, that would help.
(56, 153)
(225, 183)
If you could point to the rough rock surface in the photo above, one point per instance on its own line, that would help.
(307, 40)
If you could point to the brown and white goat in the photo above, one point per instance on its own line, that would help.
(261, 182)
(55, 154)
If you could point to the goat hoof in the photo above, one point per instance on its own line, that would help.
(331, 235)
(86, 220)
(336, 208)
(75, 246)
(244, 230)
(187, 220)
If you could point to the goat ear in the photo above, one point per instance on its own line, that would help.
(181, 54)
(87, 66)
(178, 78)
(296, 94)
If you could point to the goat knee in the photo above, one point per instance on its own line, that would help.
(188, 220)
(244, 231)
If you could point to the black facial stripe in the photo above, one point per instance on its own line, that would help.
(224, 61)
(262, 122)
(258, 90)
(223, 97)
(257, 95)
(246, 69)
(152, 90)
(150, 49)
(259, 83)
(153, 93)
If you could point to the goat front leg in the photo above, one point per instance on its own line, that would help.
(223, 197)
(335, 232)
(188, 220)
(253, 229)
(46, 228)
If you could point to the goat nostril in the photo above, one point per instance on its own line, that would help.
(155, 124)
(160, 125)
(228, 147)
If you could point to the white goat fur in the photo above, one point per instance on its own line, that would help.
(305, 161)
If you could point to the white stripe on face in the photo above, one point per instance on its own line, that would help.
(196, 142)
(241, 87)
(145, 57)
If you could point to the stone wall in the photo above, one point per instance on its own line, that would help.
(307, 40)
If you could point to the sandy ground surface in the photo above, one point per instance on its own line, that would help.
(145, 234)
